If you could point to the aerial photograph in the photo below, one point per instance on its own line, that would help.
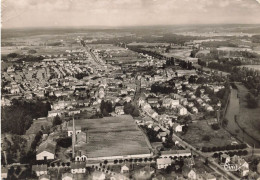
(130, 89)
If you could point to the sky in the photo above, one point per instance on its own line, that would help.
(81, 13)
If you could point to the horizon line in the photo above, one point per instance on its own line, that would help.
(123, 26)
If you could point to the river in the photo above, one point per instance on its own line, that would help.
(232, 110)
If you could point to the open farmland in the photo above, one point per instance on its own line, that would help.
(113, 136)
(43, 44)
(200, 129)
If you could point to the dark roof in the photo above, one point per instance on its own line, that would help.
(175, 125)
(186, 170)
(81, 153)
(42, 167)
(49, 146)
(70, 128)
(82, 137)
(126, 164)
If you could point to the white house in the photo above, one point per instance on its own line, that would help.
(194, 110)
(242, 164)
(163, 163)
(177, 127)
(190, 104)
(182, 110)
(46, 150)
(209, 108)
(243, 171)
(192, 174)
(125, 168)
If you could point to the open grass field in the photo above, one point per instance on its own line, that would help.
(248, 118)
(198, 130)
(113, 136)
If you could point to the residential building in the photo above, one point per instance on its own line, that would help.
(46, 150)
(177, 127)
(182, 110)
(125, 168)
(224, 158)
(119, 110)
(78, 167)
(4, 172)
(189, 172)
(70, 130)
(40, 169)
(163, 163)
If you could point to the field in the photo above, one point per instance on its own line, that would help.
(116, 54)
(248, 118)
(43, 44)
(147, 44)
(198, 130)
(256, 67)
(105, 47)
(178, 53)
(113, 136)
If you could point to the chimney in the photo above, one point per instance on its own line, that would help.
(73, 139)
(87, 133)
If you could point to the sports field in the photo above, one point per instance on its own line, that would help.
(113, 136)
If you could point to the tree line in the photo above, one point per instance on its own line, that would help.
(18, 117)
(22, 57)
